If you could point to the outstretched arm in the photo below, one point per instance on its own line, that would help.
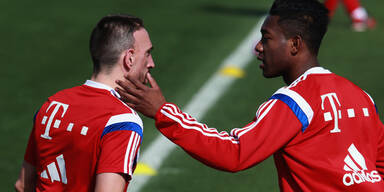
(274, 126)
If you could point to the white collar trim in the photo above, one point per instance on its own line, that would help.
(316, 70)
(98, 85)
(313, 70)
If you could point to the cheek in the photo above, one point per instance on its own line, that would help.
(276, 51)
(274, 57)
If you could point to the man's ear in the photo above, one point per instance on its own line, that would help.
(128, 59)
(296, 44)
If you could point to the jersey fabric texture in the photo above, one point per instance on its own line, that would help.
(324, 132)
(81, 132)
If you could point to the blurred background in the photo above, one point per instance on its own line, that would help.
(45, 49)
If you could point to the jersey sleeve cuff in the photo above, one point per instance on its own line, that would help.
(160, 119)
(158, 113)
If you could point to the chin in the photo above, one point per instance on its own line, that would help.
(270, 75)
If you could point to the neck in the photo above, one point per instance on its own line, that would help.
(297, 70)
(106, 79)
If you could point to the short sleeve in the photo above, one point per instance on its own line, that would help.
(120, 143)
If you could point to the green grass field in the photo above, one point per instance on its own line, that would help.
(45, 49)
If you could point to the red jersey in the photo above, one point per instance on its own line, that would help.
(80, 132)
(324, 132)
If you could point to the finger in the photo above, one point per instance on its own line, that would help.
(128, 87)
(133, 106)
(152, 81)
(125, 84)
(135, 82)
(126, 97)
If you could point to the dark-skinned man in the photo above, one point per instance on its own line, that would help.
(324, 131)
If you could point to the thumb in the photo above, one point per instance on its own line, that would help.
(152, 81)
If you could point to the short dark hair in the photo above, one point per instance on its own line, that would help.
(112, 35)
(307, 18)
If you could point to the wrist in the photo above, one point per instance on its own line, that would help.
(158, 112)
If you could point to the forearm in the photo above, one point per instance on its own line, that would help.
(27, 178)
(230, 152)
(203, 143)
(110, 182)
(19, 186)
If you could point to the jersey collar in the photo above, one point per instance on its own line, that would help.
(313, 70)
(98, 85)
(316, 70)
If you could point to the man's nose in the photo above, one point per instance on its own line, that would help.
(258, 48)
(151, 63)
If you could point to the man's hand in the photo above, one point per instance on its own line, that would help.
(144, 99)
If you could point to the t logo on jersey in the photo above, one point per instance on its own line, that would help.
(57, 122)
(357, 168)
(332, 97)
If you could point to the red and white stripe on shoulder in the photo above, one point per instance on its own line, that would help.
(188, 122)
(130, 154)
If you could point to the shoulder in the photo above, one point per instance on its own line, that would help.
(93, 101)
(71, 95)
(297, 103)
(62, 98)
(124, 118)
(67, 91)
(301, 95)
(130, 121)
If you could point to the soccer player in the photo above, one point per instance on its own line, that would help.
(324, 131)
(358, 14)
(85, 138)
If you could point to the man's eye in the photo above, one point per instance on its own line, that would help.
(264, 39)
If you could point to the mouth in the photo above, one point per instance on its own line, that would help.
(260, 58)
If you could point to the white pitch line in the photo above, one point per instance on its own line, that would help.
(161, 147)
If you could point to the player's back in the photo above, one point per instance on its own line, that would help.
(67, 137)
(340, 145)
